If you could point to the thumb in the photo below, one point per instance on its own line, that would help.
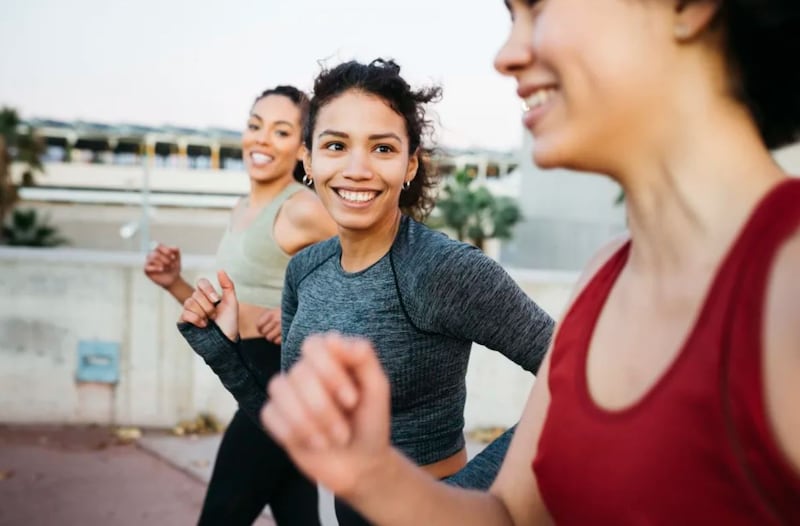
(226, 284)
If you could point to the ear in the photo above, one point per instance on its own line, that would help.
(301, 153)
(413, 166)
(693, 17)
(306, 160)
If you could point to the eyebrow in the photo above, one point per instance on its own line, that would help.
(256, 116)
(373, 137)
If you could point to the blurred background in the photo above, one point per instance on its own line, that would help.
(120, 127)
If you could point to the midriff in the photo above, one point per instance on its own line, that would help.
(447, 466)
(249, 315)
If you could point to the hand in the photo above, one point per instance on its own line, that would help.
(163, 265)
(331, 412)
(269, 325)
(205, 304)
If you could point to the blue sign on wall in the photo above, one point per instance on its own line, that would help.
(98, 362)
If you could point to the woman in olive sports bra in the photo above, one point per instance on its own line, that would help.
(275, 220)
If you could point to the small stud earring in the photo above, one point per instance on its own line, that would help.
(681, 31)
(406, 185)
(308, 181)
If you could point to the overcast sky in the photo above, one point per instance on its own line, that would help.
(200, 63)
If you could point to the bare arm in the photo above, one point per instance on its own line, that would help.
(782, 350)
(513, 499)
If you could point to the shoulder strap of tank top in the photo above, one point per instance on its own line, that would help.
(775, 219)
(271, 209)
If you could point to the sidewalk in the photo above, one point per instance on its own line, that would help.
(76, 475)
(83, 475)
(195, 455)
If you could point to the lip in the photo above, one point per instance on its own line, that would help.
(531, 117)
(526, 90)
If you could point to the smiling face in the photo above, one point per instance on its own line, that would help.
(594, 77)
(359, 160)
(271, 144)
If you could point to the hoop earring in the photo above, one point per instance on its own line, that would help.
(308, 181)
(406, 185)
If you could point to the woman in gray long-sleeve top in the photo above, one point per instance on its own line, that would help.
(420, 297)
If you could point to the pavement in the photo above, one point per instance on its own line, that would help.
(89, 475)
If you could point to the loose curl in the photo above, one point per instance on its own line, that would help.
(381, 78)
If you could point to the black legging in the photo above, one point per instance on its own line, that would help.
(251, 470)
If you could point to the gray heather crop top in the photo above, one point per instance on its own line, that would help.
(422, 305)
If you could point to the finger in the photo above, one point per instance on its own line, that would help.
(160, 259)
(167, 252)
(327, 416)
(207, 290)
(153, 267)
(193, 313)
(273, 335)
(275, 424)
(320, 402)
(270, 326)
(361, 361)
(301, 427)
(226, 284)
(317, 350)
(202, 300)
(367, 368)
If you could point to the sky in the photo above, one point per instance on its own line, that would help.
(201, 63)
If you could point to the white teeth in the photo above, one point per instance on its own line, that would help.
(260, 158)
(537, 99)
(358, 197)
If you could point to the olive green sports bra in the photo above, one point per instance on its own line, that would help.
(252, 258)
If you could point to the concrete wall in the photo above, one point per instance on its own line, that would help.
(54, 299)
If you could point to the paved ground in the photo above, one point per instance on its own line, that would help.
(84, 476)
(87, 476)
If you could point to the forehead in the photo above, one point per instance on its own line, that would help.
(276, 108)
(358, 112)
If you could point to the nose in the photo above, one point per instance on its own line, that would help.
(357, 167)
(517, 52)
(262, 136)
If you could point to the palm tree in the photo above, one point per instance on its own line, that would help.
(475, 214)
(23, 147)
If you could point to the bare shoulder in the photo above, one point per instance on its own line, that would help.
(782, 348)
(302, 221)
(304, 208)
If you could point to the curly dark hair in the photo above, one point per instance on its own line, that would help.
(381, 78)
(300, 99)
(762, 38)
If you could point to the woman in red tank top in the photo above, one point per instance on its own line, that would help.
(670, 395)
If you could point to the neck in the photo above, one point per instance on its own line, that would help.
(362, 248)
(262, 194)
(687, 203)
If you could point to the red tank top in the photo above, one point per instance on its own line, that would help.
(698, 447)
